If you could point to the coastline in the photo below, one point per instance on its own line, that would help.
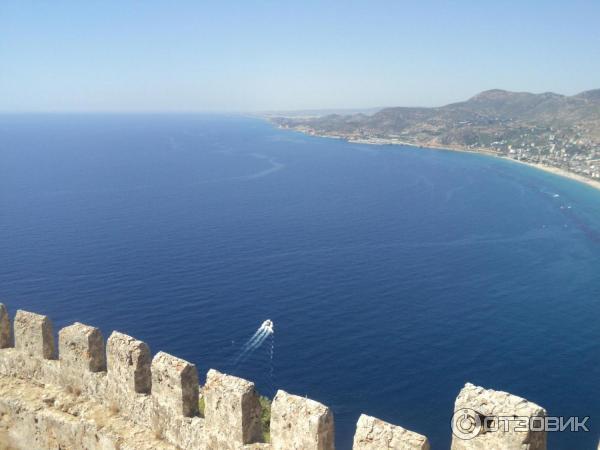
(549, 169)
(488, 152)
(559, 172)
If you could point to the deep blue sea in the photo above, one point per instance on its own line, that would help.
(393, 275)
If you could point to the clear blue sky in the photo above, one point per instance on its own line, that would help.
(149, 55)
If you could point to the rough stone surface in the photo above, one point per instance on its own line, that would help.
(175, 385)
(232, 411)
(81, 347)
(490, 403)
(375, 434)
(33, 334)
(48, 418)
(298, 423)
(128, 362)
(5, 334)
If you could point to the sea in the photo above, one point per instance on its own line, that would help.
(393, 275)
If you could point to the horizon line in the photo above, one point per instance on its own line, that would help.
(264, 111)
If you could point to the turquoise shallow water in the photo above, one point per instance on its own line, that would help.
(393, 275)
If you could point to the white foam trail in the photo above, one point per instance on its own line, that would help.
(245, 355)
(257, 339)
(253, 338)
(267, 326)
(262, 337)
(251, 344)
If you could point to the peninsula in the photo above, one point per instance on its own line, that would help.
(554, 132)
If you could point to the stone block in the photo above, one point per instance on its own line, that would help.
(175, 385)
(33, 335)
(484, 418)
(128, 363)
(375, 434)
(299, 423)
(81, 347)
(232, 410)
(5, 331)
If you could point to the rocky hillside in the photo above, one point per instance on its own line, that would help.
(487, 117)
(559, 130)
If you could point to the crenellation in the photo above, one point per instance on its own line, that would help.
(375, 434)
(232, 411)
(33, 335)
(298, 423)
(5, 331)
(128, 363)
(115, 396)
(487, 403)
(81, 347)
(175, 385)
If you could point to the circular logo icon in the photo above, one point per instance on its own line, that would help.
(466, 424)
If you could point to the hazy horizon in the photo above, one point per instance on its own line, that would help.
(258, 56)
(264, 111)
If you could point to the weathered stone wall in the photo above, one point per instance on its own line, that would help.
(5, 330)
(298, 423)
(375, 434)
(88, 395)
(502, 411)
(232, 411)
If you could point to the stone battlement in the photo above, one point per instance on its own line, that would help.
(88, 394)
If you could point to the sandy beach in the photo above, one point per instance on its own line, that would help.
(489, 152)
(560, 172)
(550, 169)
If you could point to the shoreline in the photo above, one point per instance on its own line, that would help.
(548, 169)
(559, 172)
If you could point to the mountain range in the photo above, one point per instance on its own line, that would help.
(548, 128)
(489, 114)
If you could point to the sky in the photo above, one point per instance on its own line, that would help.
(179, 55)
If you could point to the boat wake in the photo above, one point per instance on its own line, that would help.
(256, 341)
